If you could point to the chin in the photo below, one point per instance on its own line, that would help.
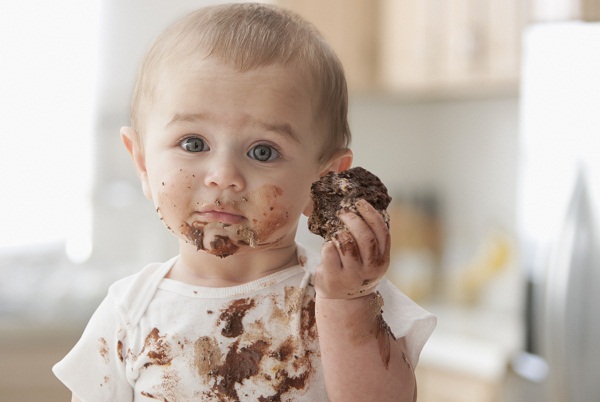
(222, 246)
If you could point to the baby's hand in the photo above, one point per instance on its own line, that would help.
(354, 261)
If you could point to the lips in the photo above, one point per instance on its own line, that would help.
(210, 216)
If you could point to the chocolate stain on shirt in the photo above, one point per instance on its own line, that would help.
(157, 349)
(240, 364)
(233, 316)
(103, 349)
(250, 357)
(168, 389)
(120, 350)
(309, 319)
(286, 383)
(207, 355)
(284, 351)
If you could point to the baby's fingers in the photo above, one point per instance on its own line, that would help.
(376, 223)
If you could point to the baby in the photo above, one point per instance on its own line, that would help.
(237, 109)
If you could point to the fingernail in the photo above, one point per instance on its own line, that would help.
(342, 211)
(361, 204)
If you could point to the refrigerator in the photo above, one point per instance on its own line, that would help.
(559, 209)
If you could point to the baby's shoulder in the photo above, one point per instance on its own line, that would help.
(134, 292)
(151, 274)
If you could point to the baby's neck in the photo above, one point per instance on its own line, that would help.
(199, 268)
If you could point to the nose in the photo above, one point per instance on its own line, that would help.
(224, 173)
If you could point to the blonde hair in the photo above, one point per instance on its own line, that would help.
(249, 36)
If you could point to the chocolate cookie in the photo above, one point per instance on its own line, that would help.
(337, 191)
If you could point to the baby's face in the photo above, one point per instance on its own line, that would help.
(230, 156)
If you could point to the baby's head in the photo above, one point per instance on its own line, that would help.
(237, 110)
(248, 36)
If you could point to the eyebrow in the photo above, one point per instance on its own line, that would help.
(187, 117)
(284, 129)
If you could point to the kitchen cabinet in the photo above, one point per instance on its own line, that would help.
(566, 10)
(436, 385)
(453, 45)
(28, 354)
(422, 47)
(350, 27)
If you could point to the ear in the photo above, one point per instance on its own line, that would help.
(129, 137)
(341, 161)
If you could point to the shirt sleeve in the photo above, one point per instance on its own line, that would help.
(94, 370)
(406, 319)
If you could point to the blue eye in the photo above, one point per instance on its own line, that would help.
(194, 144)
(263, 153)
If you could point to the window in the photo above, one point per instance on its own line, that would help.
(47, 90)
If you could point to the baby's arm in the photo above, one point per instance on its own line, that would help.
(361, 359)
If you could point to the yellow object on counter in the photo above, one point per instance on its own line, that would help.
(494, 257)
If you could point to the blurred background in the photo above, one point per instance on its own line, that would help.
(481, 116)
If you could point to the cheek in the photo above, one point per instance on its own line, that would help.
(275, 210)
(172, 194)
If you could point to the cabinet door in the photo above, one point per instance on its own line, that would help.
(446, 45)
(421, 46)
(350, 27)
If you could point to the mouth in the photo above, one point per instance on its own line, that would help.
(214, 216)
(224, 212)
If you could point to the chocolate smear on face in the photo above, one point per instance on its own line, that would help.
(233, 316)
(247, 236)
(276, 217)
(222, 246)
(194, 233)
(254, 234)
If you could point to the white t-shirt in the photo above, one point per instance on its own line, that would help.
(154, 338)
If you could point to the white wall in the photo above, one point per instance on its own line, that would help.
(465, 151)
